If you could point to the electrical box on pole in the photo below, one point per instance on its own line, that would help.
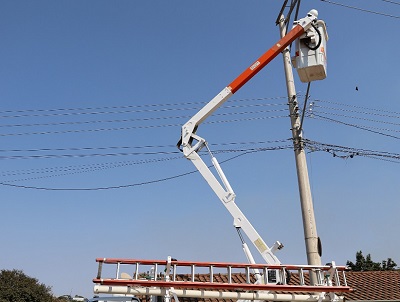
(310, 56)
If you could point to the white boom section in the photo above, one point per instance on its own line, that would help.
(208, 294)
(227, 196)
(224, 191)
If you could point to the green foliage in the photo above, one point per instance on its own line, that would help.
(15, 286)
(366, 264)
(389, 265)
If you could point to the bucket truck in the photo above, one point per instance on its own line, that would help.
(164, 279)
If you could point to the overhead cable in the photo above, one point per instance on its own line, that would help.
(392, 2)
(374, 111)
(115, 187)
(121, 109)
(136, 147)
(311, 145)
(145, 119)
(361, 9)
(136, 127)
(350, 152)
(48, 156)
(359, 118)
(356, 126)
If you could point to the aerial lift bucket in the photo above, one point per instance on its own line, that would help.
(310, 57)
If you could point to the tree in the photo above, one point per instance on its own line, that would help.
(15, 286)
(366, 264)
(388, 265)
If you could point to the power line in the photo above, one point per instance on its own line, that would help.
(119, 186)
(93, 168)
(99, 188)
(138, 119)
(377, 129)
(350, 152)
(374, 110)
(166, 155)
(392, 2)
(158, 118)
(68, 170)
(365, 112)
(88, 130)
(137, 127)
(258, 108)
(356, 126)
(395, 116)
(311, 145)
(120, 109)
(238, 148)
(47, 156)
(85, 168)
(360, 118)
(86, 148)
(361, 9)
(137, 147)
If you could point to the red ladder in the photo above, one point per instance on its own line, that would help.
(182, 274)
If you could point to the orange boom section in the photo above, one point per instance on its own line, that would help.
(267, 57)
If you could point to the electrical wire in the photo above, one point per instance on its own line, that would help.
(350, 152)
(361, 9)
(258, 108)
(392, 2)
(99, 188)
(135, 147)
(324, 118)
(169, 155)
(315, 102)
(356, 126)
(187, 116)
(95, 167)
(348, 104)
(86, 148)
(137, 127)
(123, 186)
(109, 109)
(311, 145)
(395, 116)
(138, 119)
(328, 111)
(84, 168)
(48, 156)
(304, 107)
(360, 118)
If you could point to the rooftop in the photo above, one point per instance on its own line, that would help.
(367, 285)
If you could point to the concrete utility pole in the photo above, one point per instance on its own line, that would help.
(307, 209)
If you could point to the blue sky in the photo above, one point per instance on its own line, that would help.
(93, 96)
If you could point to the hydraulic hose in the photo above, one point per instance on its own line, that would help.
(319, 41)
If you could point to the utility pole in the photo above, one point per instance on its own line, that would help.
(307, 209)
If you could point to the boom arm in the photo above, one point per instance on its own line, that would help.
(189, 129)
(188, 137)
